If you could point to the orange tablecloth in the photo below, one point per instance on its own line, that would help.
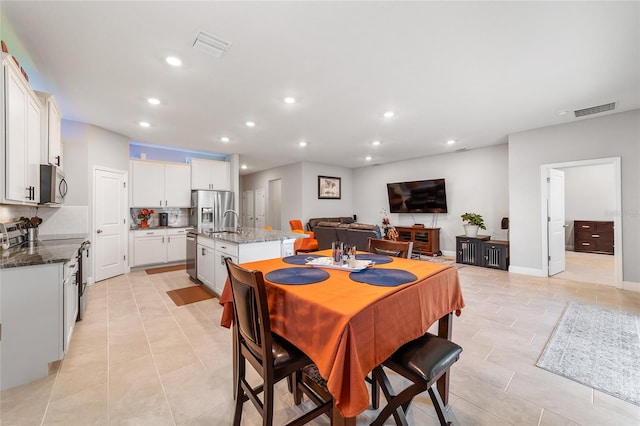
(347, 328)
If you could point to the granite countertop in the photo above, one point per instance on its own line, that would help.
(151, 228)
(251, 235)
(59, 250)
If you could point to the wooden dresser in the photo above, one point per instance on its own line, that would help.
(593, 236)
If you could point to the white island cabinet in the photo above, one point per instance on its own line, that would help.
(250, 245)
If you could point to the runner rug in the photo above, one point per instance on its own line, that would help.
(191, 294)
(165, 269)
(597, 347)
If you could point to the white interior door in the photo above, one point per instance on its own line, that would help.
(110, 230)
(248, 209)
(259, 208)
(274, 218)
(556, 225)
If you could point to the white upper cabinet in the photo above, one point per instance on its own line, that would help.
(156, 184)
(210, 174)
(51, 148)
(21, 139)
(177, 188)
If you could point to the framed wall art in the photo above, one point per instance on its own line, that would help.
(329, 188)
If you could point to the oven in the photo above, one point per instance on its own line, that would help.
(81, 277)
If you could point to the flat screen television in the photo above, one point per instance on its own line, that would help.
(420, 196)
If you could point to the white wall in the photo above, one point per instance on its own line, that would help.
(476, 181)
(314, 207)
(299, 191)
(291, 189)
(614, 135)
(589, 195)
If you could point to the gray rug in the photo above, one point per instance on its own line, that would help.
(597, 347)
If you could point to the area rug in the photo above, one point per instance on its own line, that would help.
(597, 347)
(191, 294)
(165, 269)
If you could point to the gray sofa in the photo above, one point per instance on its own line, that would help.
(313, 222)
(354, 234)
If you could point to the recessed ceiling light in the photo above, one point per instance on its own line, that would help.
(563, 112)
(375, 143)
(250, 124)
(144, 124)
(243, 167)
(153, 101)
(172, 60)
(389, 114)
(302, 143)
(289, 100)
(224, 139)
(368, 158)
(451, 142)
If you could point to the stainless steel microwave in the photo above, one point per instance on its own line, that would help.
(53, 186)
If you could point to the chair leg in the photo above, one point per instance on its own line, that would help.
(239, 370)
(297, 393)
(438, 405)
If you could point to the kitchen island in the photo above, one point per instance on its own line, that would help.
(244, 245)
(38, 307)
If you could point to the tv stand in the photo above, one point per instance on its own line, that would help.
(426, 241)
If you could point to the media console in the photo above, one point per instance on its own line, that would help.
(426, 241)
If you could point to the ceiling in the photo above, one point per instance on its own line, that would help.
(472, 72)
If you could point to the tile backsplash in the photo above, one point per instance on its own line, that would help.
(64, 220)
(55, 220)
(177, 217)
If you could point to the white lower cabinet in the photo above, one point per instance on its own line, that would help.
(31, 314)
(152, 246)
(70, 290)
(176, 245)
(212, 270)
(224, 249)
(206, 262)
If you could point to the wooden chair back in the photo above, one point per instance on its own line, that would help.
(390, 248)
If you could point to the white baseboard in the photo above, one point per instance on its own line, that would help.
(629, 285)
(527, 271)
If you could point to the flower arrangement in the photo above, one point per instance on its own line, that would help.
(387, 229)
(144, 216)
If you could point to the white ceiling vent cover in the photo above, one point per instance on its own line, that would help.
(210, 44)
(595, 110)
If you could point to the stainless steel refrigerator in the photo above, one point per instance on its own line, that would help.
(207, 210)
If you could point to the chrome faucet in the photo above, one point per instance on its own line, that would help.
(237, 218)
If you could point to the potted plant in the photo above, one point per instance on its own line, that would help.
(473, 221)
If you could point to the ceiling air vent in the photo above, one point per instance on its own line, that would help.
(210, 44)
(595, 109)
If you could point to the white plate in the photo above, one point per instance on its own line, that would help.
(327, 262)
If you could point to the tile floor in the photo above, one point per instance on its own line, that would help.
(137, 359)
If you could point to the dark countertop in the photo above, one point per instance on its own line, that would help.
(252, 235)
(151, 228)
(43, 251)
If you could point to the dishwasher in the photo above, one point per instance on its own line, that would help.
(192, 252)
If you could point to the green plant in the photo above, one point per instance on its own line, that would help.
(473, 219)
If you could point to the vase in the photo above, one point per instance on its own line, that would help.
(144, 224)
(471, 231)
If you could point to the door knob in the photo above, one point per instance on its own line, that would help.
(99, 231)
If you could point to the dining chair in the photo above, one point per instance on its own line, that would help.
(303, 245)
(390, 248)
(395, 249)
(273, 357)
(423, 361)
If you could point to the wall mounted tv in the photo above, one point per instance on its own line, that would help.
(420, 196)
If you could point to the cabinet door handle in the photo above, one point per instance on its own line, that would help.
(168, 239)
(595, 235)
(160, 203)
(165, 203)
(57, 157)
(202, 251)
(162, 240)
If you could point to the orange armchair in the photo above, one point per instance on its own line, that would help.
(303, 245)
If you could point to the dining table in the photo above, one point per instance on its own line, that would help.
(348, 321)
